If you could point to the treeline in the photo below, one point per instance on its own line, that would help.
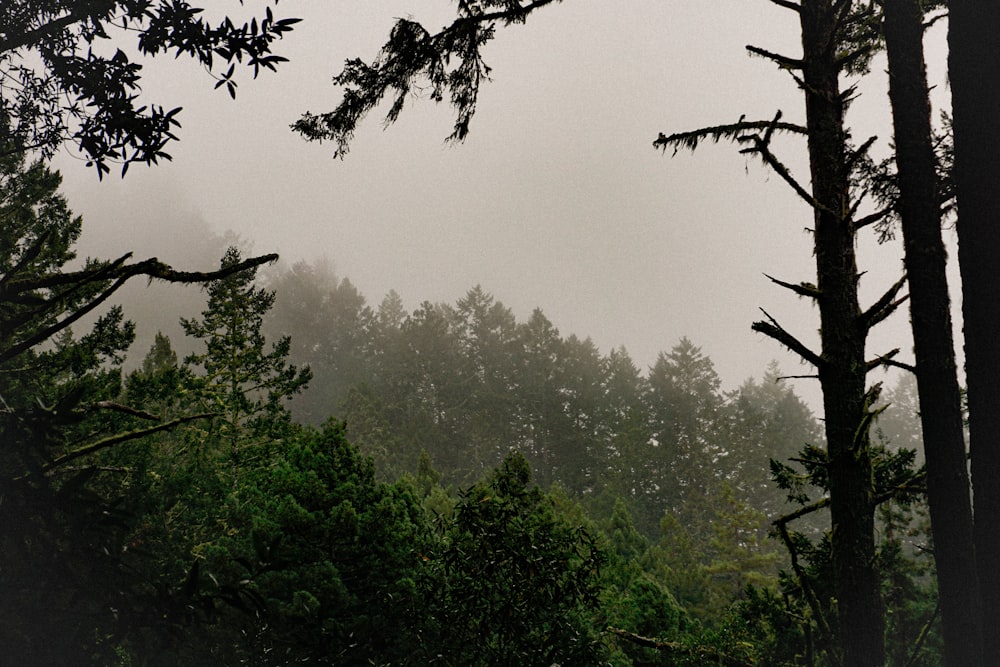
(467, 383)
(486, 491)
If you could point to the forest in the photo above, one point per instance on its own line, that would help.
(307, 477)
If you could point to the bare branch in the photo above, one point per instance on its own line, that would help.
(873, 218)
(797, 377)
(886, 359)
(787, 4)
(734, 132)
(805, 510)
(783, 61)
(762, 149)
(846, 60)
(898, 364)
(885, 306)
(802, 289)
(118, 407)
(860, 152)
(773, 330)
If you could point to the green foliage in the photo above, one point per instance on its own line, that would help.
(60, 83)
(59, 536)
(331, 324)
(450, 62)
(806, 616)
(339, 583)
(238, 378)
(512, 582)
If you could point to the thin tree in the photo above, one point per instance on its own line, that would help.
(836, 39)
(974, 72)
(930, 317)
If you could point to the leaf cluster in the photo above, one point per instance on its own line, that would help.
(63, 80)
(449, 63)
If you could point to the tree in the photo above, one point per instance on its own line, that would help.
(342, 557)
(764, 420)
(973, 67)
(510, 581)
(241, 381)
(449, 60)
(837, 38)
(59, 84)
(930, 315)
(332, 324)
(59, 409)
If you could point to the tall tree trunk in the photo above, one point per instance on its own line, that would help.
(843, 333)
(930, 315)
(974, 70)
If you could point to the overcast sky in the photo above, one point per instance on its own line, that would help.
(557, 199)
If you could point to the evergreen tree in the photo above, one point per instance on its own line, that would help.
(239, 379)
(510, 582)
(331, 325)
(62, 573)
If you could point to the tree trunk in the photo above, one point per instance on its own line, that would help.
(930, 315)
(974, 71)
(843, 332)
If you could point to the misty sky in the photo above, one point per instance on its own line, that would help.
(556, 200)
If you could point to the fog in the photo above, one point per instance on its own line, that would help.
(556, 200)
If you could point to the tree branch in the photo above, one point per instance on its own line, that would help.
(781, 523)
(873, 218)
(118, 407)
(882, 360)
(802, 289)
(732, 132)
(715, 656)
(787, 4)
(81, 11)
(885, 306)
(773, 330)
(782, 61)
(121, 273)
(762, 149)
(120, 438)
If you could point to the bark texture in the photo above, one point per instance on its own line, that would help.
(930, 315)
(843, 332)
(974, 71)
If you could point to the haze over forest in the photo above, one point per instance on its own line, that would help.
(556, 200)
(661, 365)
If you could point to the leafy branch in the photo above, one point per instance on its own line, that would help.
(411, 55)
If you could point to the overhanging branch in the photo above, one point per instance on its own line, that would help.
(120, 438)
(117, 271)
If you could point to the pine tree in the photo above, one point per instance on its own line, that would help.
(239, 378)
